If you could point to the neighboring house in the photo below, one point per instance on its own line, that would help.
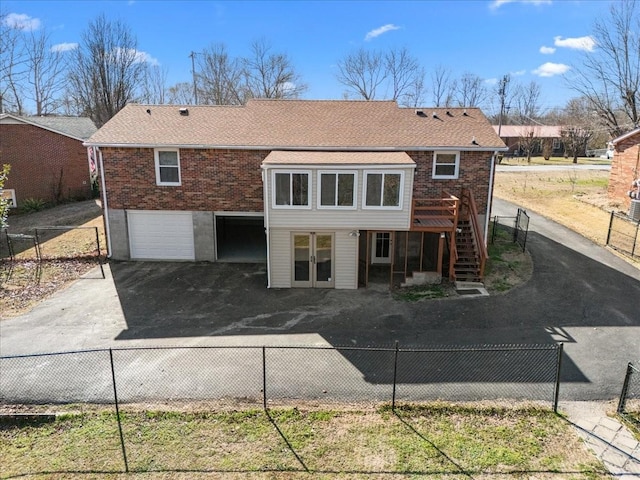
(625, 168)
(329, 193)
(48, 160)
(515, 138)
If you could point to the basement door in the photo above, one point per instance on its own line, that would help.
(381, 248)
(312, 260)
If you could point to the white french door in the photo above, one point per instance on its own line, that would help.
(312, 260)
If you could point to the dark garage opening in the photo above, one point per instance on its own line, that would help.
(241, 239)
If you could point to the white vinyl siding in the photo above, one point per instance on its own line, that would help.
(352, 219)
(160, 235)
(345, 258)
(280, 253)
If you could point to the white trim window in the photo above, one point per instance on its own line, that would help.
(337, 189)
(167, 162)
(383, 190)
(446, 164)
(9, 194)
(291, 189)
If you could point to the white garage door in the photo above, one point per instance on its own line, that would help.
(161, 235)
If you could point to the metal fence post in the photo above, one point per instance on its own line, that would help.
(264, 378)
(115, 396)
(625, 389)
(635, 241)
(610, 227)
(395, 372)
(556, 392)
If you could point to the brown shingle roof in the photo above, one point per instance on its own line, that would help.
(279, 157)
(300, 124)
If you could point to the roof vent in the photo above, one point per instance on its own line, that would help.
(149, 111)
(184, 112)
(434, 115)
(465, 113)
(449, 114)
(420, 112)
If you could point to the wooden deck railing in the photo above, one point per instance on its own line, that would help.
(468, 204)
(435, 214)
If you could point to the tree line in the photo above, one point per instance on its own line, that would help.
(106, 71)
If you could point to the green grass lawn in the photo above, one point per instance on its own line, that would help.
(435, 441)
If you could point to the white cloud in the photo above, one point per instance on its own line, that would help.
(64, 47)
(547, 50)
(518, 73)
(578, 43)
(491, 81)
(22, 21)
(376, 32)
(550, 69)
(495, 4)
(146, 58)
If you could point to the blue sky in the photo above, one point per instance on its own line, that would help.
(529, 39)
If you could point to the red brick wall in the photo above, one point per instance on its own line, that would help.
(212, 180)
(625, 167)
(231, 180)
(37, 156)
(474, 173)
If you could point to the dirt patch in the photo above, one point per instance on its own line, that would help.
(66, 254)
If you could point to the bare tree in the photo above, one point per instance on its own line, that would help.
(610, 76)
(443, 87)
(220, 78)
(362, 72)
(12, 66)
(270, 75)
(154, 85)
(527, 103)
(405, 76)
(471, 91)
(577, 127)
(528, 140)
(107, 69)
(180, 94)
(46, 70)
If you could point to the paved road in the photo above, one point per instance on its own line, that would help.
(580, 294)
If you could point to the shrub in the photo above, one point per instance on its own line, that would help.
(30, 205)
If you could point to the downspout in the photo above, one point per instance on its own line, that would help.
(266, 223)
(105, 207)
(489, 199)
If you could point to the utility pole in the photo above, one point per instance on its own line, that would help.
(193, 73)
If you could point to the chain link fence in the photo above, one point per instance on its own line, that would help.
(624, 235)
(629, 403)
(139, 385)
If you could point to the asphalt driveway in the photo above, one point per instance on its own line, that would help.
(580, 294)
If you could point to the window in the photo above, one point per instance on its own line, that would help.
(291, 189)
(383, 190)
(556, 144)
(337, 189)
(446, 164)
(9, 194)
(167, 167)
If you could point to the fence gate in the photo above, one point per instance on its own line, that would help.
(623, 235)
(522, 228)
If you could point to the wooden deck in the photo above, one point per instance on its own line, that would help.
(435, 215)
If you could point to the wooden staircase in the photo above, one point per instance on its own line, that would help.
(467, 267)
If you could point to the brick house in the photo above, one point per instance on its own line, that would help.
(513, 135)
(48, 160)
(331, 194)
(625, 168)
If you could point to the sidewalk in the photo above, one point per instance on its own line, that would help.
(609, 440)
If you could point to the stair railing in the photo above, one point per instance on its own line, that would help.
(469, 205)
